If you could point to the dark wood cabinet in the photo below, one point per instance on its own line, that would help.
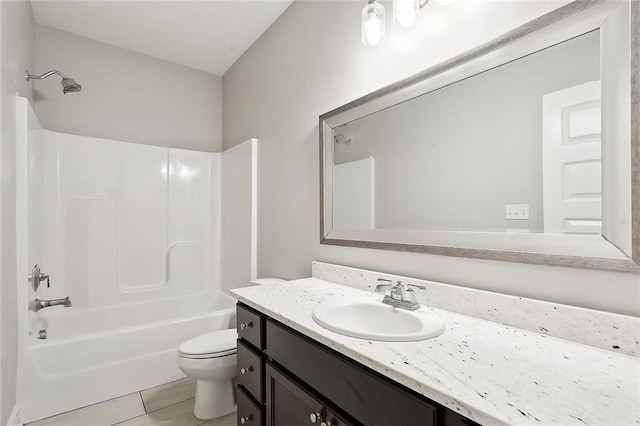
(334, 419)
(304, 383)
(250, 374)
(249, 325)
(249, 412)
(365, 395)
(288, 403)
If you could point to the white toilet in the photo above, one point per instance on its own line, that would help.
(211, 360)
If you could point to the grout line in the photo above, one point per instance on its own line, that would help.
(122, 396)
(173, 382)
(80, 408)
(177, 402)
(146, 414)
(143, 404)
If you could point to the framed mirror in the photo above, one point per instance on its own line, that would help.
(525, 149)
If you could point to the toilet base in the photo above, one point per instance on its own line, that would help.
(214, 398)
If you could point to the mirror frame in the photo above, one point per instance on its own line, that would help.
(581, 15)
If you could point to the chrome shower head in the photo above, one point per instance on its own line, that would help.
(69, 85)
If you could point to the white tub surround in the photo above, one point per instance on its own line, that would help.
(125, 222)
(131, 233)
(489, 372)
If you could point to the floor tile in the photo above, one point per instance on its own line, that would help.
(230, 420)
(168, 394)
(101, 414)
(180, 414)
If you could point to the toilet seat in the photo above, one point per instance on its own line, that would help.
(211, 345)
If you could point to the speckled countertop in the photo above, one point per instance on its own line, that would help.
(488, 372)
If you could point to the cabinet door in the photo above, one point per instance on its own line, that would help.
(288, 404)
(333, 419)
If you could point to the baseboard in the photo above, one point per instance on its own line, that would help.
(14, 418)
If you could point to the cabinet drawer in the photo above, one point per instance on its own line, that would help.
(362, 393)
(250, 324)
(249, 413)
(250, 371)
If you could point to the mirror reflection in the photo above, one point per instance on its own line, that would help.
(513, 149)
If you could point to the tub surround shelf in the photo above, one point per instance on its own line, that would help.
(488, 372)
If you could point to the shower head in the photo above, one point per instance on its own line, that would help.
(69, 85)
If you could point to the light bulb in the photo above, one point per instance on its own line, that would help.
(372, 23)
(404, 12)
(373, 32)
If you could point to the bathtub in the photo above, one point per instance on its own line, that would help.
(96, 354)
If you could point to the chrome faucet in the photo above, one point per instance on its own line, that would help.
(37, 304)
(399, 296)
(384, 287)
(35, 277)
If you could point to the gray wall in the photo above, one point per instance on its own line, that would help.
(16, 54)
(311, 61)
(453, 158)
(125, 95)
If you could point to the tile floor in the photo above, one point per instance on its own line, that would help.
(166, 405)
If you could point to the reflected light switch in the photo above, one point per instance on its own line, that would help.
(516, 211)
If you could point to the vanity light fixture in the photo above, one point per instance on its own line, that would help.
(404, 15)
(372, 23)
(405, 11)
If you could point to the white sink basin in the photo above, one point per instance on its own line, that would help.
(370, 319)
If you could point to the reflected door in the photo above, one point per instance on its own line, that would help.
(572, 160)
(354, 195)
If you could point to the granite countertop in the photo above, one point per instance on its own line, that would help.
(488, 372)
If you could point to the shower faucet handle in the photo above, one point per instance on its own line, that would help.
(36, 277)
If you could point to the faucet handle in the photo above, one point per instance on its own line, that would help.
(385, 286)
(411, 295)
(421, 287)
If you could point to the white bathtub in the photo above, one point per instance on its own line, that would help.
(92, 355)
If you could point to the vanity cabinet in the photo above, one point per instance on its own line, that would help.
(288, 403)
(288, 379)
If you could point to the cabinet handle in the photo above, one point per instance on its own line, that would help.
(244, 371)
(246, 419)
(314, 417)
(246, 325)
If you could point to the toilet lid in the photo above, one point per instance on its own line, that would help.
(210, 345)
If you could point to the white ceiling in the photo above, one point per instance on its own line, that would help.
(206, 35)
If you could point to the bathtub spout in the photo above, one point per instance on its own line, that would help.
(38, 304)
